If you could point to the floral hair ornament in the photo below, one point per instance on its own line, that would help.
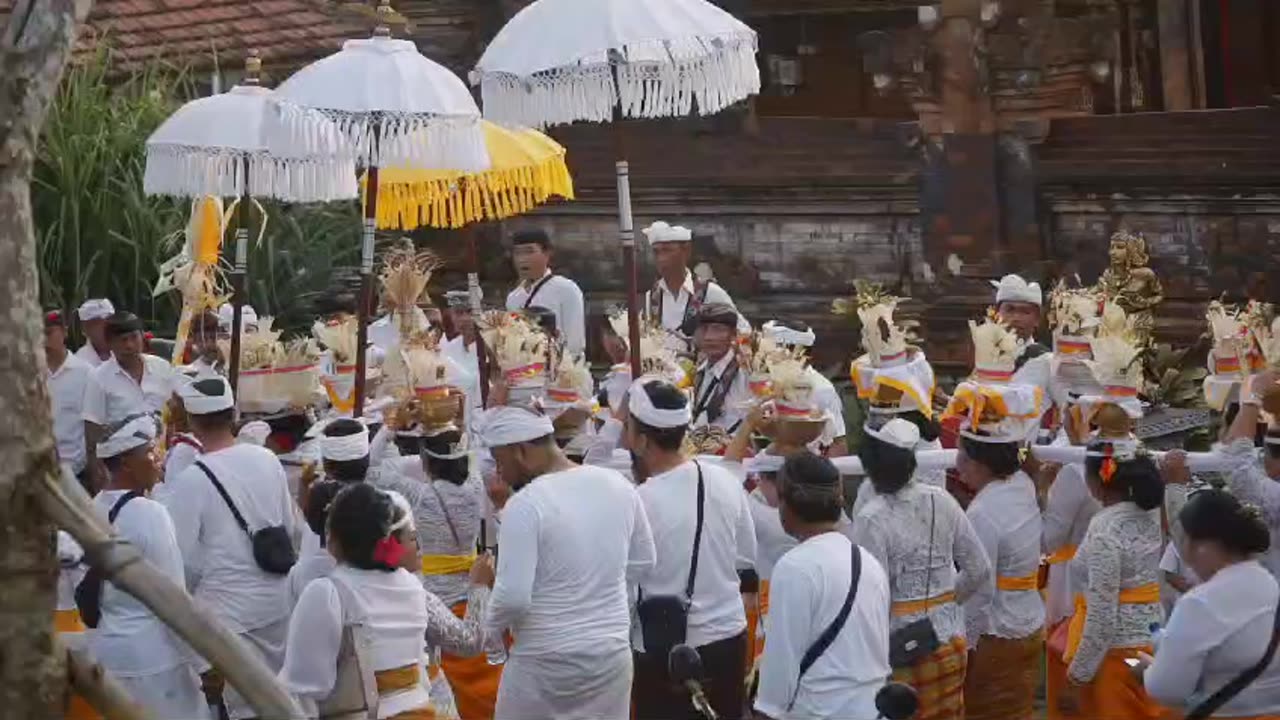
(1113, 452)
(389, 551)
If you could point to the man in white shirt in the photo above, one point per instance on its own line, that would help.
(129, 382)
(93, 316)
(572, 540)
(679, 294)
(692, 507)
(531, 253)
(461, 348)
(1019, 304)
(794, 334)
(68, 376)
(720, 394)
(811, 585)
(251, 601)
(130, 641)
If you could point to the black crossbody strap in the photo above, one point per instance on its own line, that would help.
(124, 500)
(534, 292)
(829, 635)
(697, 534)
(227, 498)
(928, 567)
(1224, 695)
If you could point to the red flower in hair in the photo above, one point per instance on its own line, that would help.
(1108, 469)
(388, 551)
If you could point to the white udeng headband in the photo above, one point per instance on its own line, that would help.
(508, 425)
(135, 433)
(406, 513)
(786, 336)
(642, 409)
(344, 447)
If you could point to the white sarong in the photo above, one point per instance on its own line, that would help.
(566, 686)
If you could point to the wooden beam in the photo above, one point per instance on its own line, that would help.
(1174, 22)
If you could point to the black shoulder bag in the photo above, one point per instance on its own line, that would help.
(1224, 695)
(829, 635)
(917, 639)
(272, 548)
(664, 619)
(89, 591)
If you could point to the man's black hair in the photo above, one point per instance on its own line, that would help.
(811, 487)
(122, 323)
(532, 237)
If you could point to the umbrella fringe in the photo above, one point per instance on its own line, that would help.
(192, 172)
(382, 140)
(706, 74)
(455, 202)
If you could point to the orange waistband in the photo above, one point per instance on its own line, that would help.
(397, 679)
(1061, 555)
(1016, 584)
(912, 607)
(1142, 595)
(68, 621)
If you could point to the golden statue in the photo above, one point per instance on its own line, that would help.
(1130, 283)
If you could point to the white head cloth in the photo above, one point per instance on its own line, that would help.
(660, 232)
(344, 447)
(763, 463)
(508, 425)
(784, 335)
(1012, 288)
(226, 313)
(897, 432)
(642, 408)
(134, 433)
(406, 513)
(198, 402)
(254, 433)
(96, 309)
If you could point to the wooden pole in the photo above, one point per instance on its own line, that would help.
(98, 688)
(627, 234)
(366, 285)
(473, 288)
(238, 279)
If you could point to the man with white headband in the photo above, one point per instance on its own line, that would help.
(794, 334)
(572, 543)
(226, 316)
(679, 294)
(461, 348)
(696, 509)
(234, 498)
(93, 316)
(1019, 304)
(130, 641)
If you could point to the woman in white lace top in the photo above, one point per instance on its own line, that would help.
(920, 535)
(1117, 566)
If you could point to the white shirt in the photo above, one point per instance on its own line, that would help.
(571, 543)
(130, 641)
(243, 595)
(562, 297)
(809, 588)
(469, 362)
(66, 394)
(827, 398)
(180, 456)
(674, 305)
(1067, 511)
(71, 570)
(1006, 518)
(1172, 563)
(728, 542)
(772, 541)
(89, 355)
(314, 562)
(112, 394)
(734, 410)
(393, 609)
(1217, 631)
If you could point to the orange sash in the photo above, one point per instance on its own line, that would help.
(1017, 584)
(912, 607)
(1141, 595)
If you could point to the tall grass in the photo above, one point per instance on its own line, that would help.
(99, 235)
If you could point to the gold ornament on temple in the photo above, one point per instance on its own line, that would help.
(1129, 283)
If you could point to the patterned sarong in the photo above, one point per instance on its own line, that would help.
(1000, 683)
(939, 682)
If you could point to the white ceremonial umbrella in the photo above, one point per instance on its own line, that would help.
(215, 146)
(382, 103)
(563, 61)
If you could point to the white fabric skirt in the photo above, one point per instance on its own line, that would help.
(170, 694)
(269, 641)
(566, 686)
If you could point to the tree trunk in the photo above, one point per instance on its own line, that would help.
(34, 47)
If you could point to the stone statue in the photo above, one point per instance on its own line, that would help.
(1130, 283)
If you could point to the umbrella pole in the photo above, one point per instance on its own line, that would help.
(366, 287)
(473, 289)
(626, 233)
(238, 277)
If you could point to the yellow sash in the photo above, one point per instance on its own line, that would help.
(1016, 584)
(68, 621)
(447, 564)
(397, 679)
(1061, 555)
(912, 607)
(1141, 595)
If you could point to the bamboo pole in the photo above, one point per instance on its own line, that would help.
(67, 504)
(93, 683)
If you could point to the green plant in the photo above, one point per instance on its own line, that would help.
(1174, 377)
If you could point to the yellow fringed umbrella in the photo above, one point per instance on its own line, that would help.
(528, 169)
